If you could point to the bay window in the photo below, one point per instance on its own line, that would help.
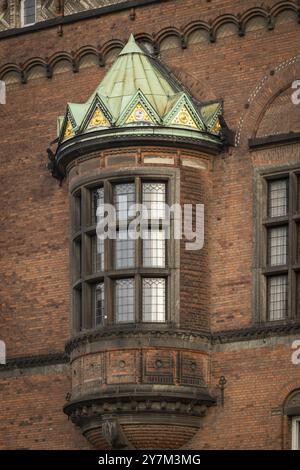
(126, 279)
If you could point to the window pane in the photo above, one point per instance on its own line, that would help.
(98, 254)
(277, 246)
(278, 198)
(124, 300)
(298, 432)
(99, 304)
(154, 300)
(97, 205)
(154, 248)
(277, 297)
(124, 250)
(124, 198)
(154, 198)
(29, 12)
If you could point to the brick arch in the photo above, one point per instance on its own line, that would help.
(270, 87)
(286, 391)
(281, 115)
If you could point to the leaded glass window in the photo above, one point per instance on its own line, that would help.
(278, 198)
(154, 248)
(154, 198)
(98, 254)
(277, 297)
(280, 247)
(124, 279)
(277, 244)
(154, 299)
(99, 304)
(124, 300)
(124, 250)
(124, 200)
(98, 204)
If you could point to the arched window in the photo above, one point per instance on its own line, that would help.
(28, 12)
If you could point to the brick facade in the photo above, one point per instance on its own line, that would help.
(249, 60)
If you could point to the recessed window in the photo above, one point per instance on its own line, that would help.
(278, 198)
(124, 200)
(154, 248)
(28, 12)
(154, 198)
(97, 204)
(277, 297)
(124, 250)
(98, 254)
(99, 304)
(124, 300)
(277, 245)
(296, 433)
(125, 279)
(154, 300)
(279, 248)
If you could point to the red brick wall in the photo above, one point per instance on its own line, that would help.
(34, 264)
(31, 411)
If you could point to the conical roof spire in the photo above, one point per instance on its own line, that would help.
(137, 92)
(131, 47)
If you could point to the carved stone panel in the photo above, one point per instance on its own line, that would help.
(158, 367)
(191, 369)
(121, 367)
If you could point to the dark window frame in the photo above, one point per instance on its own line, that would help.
(263, 222)
(87, 280)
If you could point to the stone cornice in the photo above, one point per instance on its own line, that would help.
(85, 144)
(256, 332)
(96, 335)
(222, 337)
(258, 143)
(35, 361)
(190, 401)
(227, 336)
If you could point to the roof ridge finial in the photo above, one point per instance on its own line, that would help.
(131, 46)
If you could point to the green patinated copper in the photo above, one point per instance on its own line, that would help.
(138, 96)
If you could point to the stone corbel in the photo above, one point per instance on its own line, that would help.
(113, 434)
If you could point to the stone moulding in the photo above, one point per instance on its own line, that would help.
(230, 336)
(107, 419)
(35, 361)
(243, 334)
(66, 153)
